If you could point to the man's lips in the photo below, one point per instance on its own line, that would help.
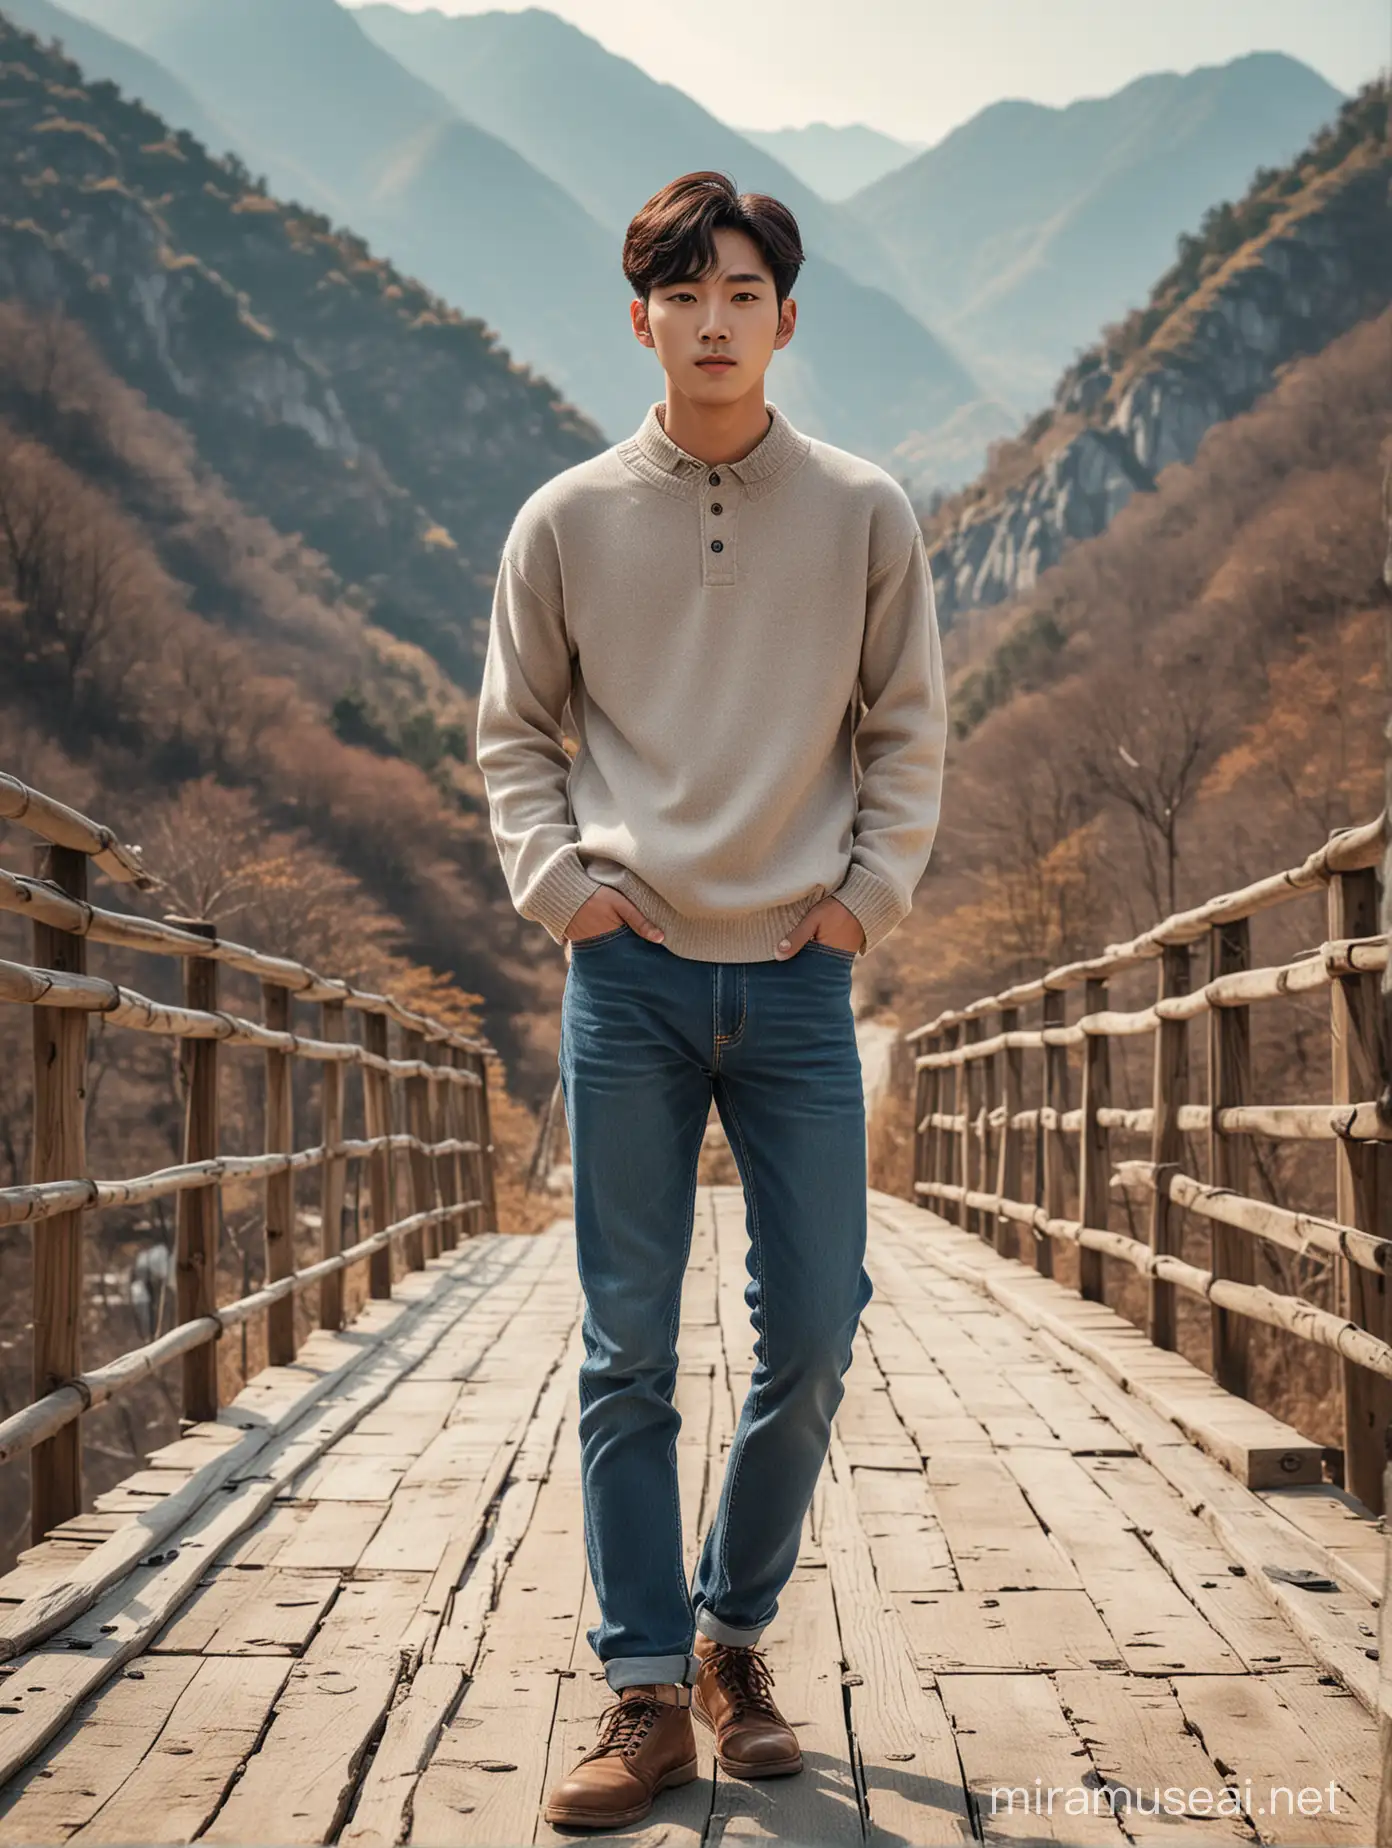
(716, 365)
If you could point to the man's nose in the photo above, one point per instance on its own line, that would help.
(716, 327)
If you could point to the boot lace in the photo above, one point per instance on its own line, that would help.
(746, 1677)
(624, 1726)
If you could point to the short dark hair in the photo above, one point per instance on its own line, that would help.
(672, 237)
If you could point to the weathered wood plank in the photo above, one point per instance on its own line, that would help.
(1017, 1749)
(67, 1784)
(249, 1614)
(996, 1540)
(1207, 1575)
(1155, 1775)
(972, 1631)
(297, 1787)
(909, 1769)
(180, 1782)
(1250, 1727)
(1157, 1629)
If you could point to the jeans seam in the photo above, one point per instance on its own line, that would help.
(757, 1391)
(673, 1324)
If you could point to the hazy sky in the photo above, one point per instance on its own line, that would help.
(918, 67)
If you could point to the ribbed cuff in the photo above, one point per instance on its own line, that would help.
(871, 902)
(559, 893)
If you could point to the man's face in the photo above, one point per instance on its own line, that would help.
(715, 334)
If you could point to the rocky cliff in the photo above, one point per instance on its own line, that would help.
(336, 397)
(1316, 257)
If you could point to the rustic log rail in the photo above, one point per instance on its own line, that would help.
(425, 1108)
(956, 1131)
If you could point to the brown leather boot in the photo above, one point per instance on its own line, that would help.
(733, 1695)
(645, 1745)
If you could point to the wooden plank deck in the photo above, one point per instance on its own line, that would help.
(1016, 1574)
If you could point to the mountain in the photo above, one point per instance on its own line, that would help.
(314, 104)
(340, 400)
(254, 485)
(103, 56)
(835, 161)
(862, 370)
(1029, 227)
(1302, 257)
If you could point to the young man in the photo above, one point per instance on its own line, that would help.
(732, 620)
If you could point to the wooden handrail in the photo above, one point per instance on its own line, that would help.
(54, 821)
(448, 1149)
(1351, 850)
(47, 1416)
(1069, 1153)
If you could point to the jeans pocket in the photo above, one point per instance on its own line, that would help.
(830, 949)
(603, 936)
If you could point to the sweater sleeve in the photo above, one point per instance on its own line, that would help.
(900, 744)
(527, 676)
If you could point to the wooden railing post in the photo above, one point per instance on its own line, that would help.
(471, 1166)
(968, 1103)
(280, 1188)
(489, 1158)
(196, 1215)
(1009, 1166)
(377, 1118)
(59, 1153)
(449, 1173)
(333, 1176)
(1094, 1144)
(949, 1148)
(988, 1224)
(1229, 1084)
(1167, 1142)
(1363, 1187)
(417, 1245)
(924, 1105)
(1054, 1196)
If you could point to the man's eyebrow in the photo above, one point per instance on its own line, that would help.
(747, 276)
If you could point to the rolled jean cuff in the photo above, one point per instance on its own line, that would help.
(710, 1625)
(638, 1671)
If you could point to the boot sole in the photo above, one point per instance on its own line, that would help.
(617, 1819)
(781, 1767)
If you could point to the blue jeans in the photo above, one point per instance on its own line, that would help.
(647, 1039)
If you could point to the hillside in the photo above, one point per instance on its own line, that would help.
(835, 161)
(1302, 256)
(1185, 703)
(1028, 227)
(282, 476)
(336, 397)
(309, 101)
(862, 370)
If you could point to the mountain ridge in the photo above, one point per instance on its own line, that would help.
(1302, 257)
(1029, 226)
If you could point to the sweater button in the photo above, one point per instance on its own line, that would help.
(717, 545)
(714, 480)
(716, 507)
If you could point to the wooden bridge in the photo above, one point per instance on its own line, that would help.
(1058, 1583)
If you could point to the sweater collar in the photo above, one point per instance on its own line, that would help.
(780, 450)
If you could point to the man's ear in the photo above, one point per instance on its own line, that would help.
(787, 321)
(639, 312)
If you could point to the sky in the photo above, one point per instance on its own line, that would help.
(916, 68)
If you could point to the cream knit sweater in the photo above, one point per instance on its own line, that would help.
(708, 635)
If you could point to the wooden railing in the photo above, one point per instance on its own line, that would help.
(434, 1083)
(977, 1130)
